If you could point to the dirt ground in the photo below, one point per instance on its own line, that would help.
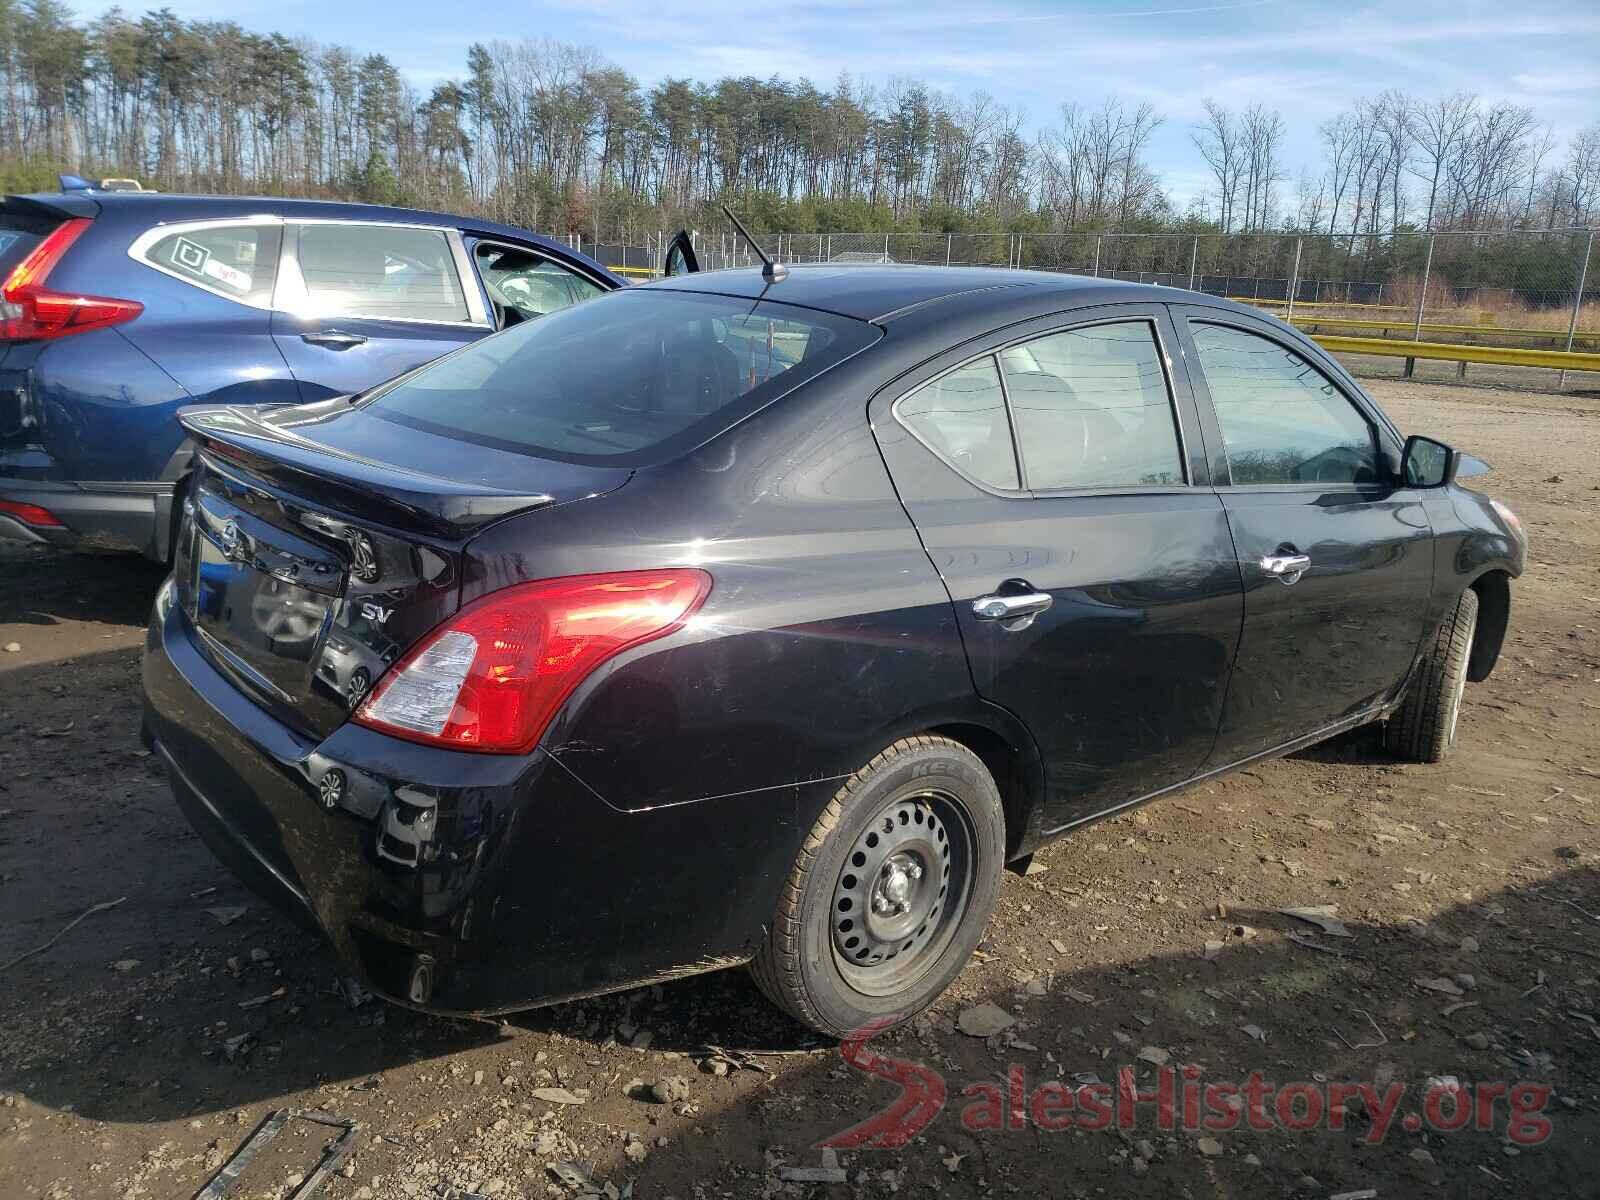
(1153, 938)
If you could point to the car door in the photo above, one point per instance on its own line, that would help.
(1088, 559)
(207, 320)
(1336, 555)
(358, 303)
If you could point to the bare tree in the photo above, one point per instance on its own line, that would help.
(1438, 127)
(1220, 142)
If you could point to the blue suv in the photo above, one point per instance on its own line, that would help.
(118, 308)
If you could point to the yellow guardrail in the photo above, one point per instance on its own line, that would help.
(1262, 302)
(1506, 356)
(1555, 335)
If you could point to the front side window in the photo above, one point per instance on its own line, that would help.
(238, 261)
(632, 378)
(1092, 409)
(1283, 421)
(522, 285)
(962, 418)
(383, 272)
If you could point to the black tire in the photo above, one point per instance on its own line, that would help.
(1424, 727)
(934, 809)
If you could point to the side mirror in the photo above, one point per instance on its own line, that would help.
(1427, 463)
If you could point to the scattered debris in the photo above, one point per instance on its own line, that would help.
(984, 1020)
(1313, 944)
(1154, 1054)
(276, 994)
(124, 965)
(229, 914)
(558, 1095)
(1441, 984)
(1322, 916)
(238, 1046)
(68, 928)
(333, 1158)
(352, 991)
(1383, 1038)
(1254, 1031)
(1209, 1146)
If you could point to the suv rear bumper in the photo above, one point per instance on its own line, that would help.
(514, 883)
(94, 516)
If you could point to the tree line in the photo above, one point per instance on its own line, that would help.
(553, 136)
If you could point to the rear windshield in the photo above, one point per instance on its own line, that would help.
(624, 379)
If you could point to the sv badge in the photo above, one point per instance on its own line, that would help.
(376, 612)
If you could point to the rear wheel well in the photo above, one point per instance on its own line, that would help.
(1019, 792)
(1494, 614)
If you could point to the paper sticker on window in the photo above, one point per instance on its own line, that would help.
(231, 276)
(190, 256)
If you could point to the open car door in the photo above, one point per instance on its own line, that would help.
(681, 258)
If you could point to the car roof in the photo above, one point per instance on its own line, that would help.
(177, 206)
(885, 292)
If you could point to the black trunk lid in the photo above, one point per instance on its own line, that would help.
(306, 568)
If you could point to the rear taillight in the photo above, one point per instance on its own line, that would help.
(30, 311)
(492, 677)
(30, 514)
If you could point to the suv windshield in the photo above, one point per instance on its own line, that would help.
(625, 379)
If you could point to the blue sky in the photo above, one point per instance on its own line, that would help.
(1308, 58)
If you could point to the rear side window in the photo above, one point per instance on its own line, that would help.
(626, 379)
(962, 418)
(1092, 408)
(381, 271)
(1283, 421)
(237, 261)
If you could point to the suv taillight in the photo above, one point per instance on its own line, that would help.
(32, 312)
(493, 676)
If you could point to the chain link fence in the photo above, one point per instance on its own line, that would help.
(1530, 289)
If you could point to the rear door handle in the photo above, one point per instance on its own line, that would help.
(333, 339)
(1014, 612)
(1286, 568)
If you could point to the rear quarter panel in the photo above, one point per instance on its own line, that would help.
(827, 633)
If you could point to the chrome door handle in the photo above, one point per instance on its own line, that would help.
(333, 339)
(1014, 612)
(1286, 568)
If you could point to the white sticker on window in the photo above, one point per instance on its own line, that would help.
(232, 276)
(190, 256)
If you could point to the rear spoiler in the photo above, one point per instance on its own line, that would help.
(54, 204)
(247, 437)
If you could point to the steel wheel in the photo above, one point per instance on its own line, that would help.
(890, 891)
(903, 888)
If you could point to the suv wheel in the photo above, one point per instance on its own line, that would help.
(891, 891)
(1424, 728)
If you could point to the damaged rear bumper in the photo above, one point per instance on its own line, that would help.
(503, 880)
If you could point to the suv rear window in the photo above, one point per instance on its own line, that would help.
(20, 232)
(629, 378)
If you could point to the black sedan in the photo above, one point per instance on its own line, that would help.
(728, 620)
